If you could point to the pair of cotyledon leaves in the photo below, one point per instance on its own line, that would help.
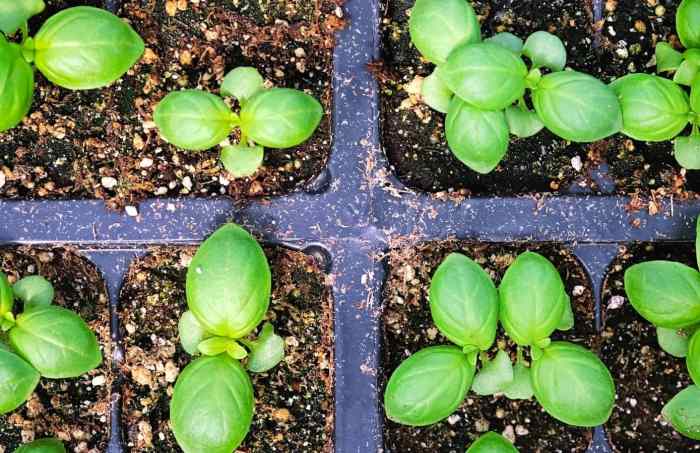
(79, 48)
(570, 382)
(43, 340)
(228, 293)
(667, 294)
(476, 83)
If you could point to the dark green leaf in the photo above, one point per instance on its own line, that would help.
(492, 443)
(545, 50)
(683, 412)
(667, 58)
(522, 122)
(226, 306)
(688, 23)
(267, 351)
(673, 341)
(665, 293)
(83, 48)
(428, 386)
(494, 376)
(508, 41)
(687, 151)
(437, 27)
(521, 387)
(34, 291)
(464, 302)
(685, 75)
(478, 138)
(17, 381)
(435, 93)
(212, 405)
(16, 85)
(7, 297)
(242, 83)
(15, 13)
(43, 446)
(191, 333)
(241, 160)
(573, 385)
(693, 357)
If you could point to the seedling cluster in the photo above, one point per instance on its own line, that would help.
(570, 382)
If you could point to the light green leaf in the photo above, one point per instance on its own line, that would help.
(242, 83)
(683, 412)
(492, 443)
(16, 85)
(464, 302)
(692, 55)
(82, 48)
(212, 405)
(508, 41)
(521, 387)
(687, 23)
(531, 302)
(573, 385)
(673, 341)
(435, 93)
(653, 108)
(437, 27)
(193, 119)
(220, 345)
(34, 291)
(522, 122)
(494, 376)
(7, 297)
(267, 351)
(56, 342)
(478, 138)
(567, 319)
(687, 151)
(229, 283)
(686, 73)
(50, 445)
(17, 381)
(428, 386)
(665, 293)
(15, 13)
(695, 95)
(241, 160)
(693, 357)
(545, 50)
(577, 107)
(486, 75)
(668, 59)
(191, 333)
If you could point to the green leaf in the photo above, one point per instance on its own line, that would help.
(692, 55)
(668, 59)
(687, 151)
(17, 381)
(280, 117)
(56, 341)
(212, 405)
(15, 13)
(34, 291)
(229, 283)
(428, 386)
(191, 333)
(567, 319)
(695, 95)
(531, 302)
(7, 297)
(242, 83)
(494, 376)
(673, 341)
(82, 48)
(435, 93)
(687, 23)
(697, 235)
(693, 357)
(545, 50)
(220, 345)
(478, 138)
(492, 443)
(653, 108)
(686, 73)
(242, 161)
(683, 412)
(573, 385)
(486, 75)
(438, 27)
(508, 41)
(193, 119)
(521, 387)
(464, 302)
(522, 122)
(665, 293)
(50, 445)
(267, 351)
(577, 107)
(16, 85)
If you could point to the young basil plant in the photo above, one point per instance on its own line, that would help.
(273, 118)
(79, 48)
(49, 445)
(228, 293)
(482, 86)
(492, 443)
(42, 341)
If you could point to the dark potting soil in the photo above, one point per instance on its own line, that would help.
(294, 401)
(74, 410)
(104, 144)
(646, 377)
(408, 327)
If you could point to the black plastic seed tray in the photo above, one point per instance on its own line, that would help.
(348, 219)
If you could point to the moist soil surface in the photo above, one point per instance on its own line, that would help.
(646, 377)
(294, 401)
(408, 327)
(104, 144)
(73, 410)
(413, 134)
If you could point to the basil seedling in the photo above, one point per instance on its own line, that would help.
(49, 445)
(667, 294)
(492, 443)
(465, 306)
(228, 293)
(274, 118)
(482, 86)
(79, 48)
(42, 341)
